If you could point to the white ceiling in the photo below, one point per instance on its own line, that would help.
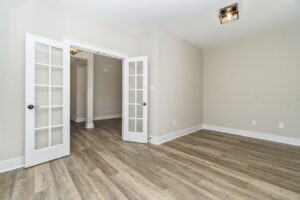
(194, 20)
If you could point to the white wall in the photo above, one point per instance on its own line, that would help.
(175, 80)
(41, 18)
(255, 79)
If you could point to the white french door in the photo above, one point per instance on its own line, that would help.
(135, 99)
(47, 128)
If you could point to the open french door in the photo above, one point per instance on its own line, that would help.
(47, 124)
(135, 99)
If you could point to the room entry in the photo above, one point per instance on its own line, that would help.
(47, 98)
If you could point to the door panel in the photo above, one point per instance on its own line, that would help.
(135, 99)
(47, 128)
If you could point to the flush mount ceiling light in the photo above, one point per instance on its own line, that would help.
(73, 51)
(229, 13)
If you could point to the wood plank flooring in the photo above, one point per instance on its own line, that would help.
(202, 165)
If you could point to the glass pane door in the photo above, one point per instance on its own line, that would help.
(136, 98)
(47, 128)
(48, 95)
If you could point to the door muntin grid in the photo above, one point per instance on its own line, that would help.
(135, 97)
(48, 83)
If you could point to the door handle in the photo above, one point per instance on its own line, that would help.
(144, 104)
(30, 107)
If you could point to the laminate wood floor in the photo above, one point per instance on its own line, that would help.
(202, 165)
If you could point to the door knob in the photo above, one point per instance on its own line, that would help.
(30, 107)
(144, 104)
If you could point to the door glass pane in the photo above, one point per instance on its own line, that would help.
(131, 82)
(41, 53)
(57, 56)
(41, 74)
(41, 138)
(56, 136)
(41, 117)
(41, 96)
(131, 127)
(139, 82)
(139, 125)
(135, 112)
(131, 96)
(57, 116)
(131, 111)
(132, 68)
(139, 111)
(57, 76)
(57, 96)
(139, 68)
(139, 97)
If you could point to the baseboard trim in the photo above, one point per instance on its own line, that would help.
(11, 164)
(73, 118)
(226, 130)
(89, 125)
(107, 117)
(174, 135)
(252, 134)
(82, 119)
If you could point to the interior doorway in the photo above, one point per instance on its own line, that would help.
(134, 90)
(106, 81)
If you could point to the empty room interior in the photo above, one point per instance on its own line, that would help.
(195, 99)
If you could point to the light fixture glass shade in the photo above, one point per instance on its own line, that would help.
(229, 13)
(74, 51)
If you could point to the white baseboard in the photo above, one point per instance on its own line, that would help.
(13, 163)
(73, 118)
(174, 135)
(89, 125)
(252, 134)
(82, 119)
(107, 117)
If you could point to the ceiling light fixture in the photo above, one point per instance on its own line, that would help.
(74, 51)
(229, 13)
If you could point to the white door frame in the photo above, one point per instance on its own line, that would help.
(105, 52)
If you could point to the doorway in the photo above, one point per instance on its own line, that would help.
(47, 97)
(106, 83)
(134, 90)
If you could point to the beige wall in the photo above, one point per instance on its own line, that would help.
(107, 87)
(175, 78)
(78, 88)
(81, 91)
(73, 88)
(39, 17)
(148, 46)
(255, 79)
